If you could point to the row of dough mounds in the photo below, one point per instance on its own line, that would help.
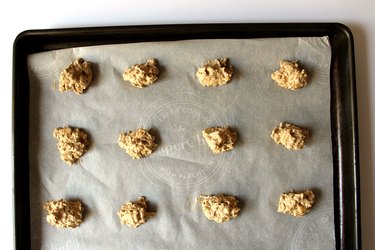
(219, 208)
(74, 142)
(78, 75)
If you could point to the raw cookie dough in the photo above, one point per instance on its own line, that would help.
(220, 139)
(73, 143)
(215, 72)
(76, 77)
(137, 144)
(220, 208)
(290, 75)
(142, 75)
(296, 203)
(135, 214)
(62, 213)
(291, 136)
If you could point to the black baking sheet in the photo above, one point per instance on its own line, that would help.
(343, 104)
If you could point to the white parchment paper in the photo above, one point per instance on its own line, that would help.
(177, 108)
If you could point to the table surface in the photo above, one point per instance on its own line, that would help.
(358, 15)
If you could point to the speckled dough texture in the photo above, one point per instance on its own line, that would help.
(76, 77)
(135, 214)
(290, 136)
(72, 143)
(63, 214)
(290, 75)
(139, 143)
(296, 203)
(142, 75)
(220, 139)
(215, 72)
(219, 208)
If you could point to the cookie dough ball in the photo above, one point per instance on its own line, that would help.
(135, 214)
(73, 143)
(290, 75)
(215, 72)
(296, 203)
(220, 208)
(142, 75)
(63, 214)
(220, 139)
(291, 136)
(76, 77)
(137, 144)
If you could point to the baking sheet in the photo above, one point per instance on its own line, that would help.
(176, 109)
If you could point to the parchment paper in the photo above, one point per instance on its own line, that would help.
(177, 108)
